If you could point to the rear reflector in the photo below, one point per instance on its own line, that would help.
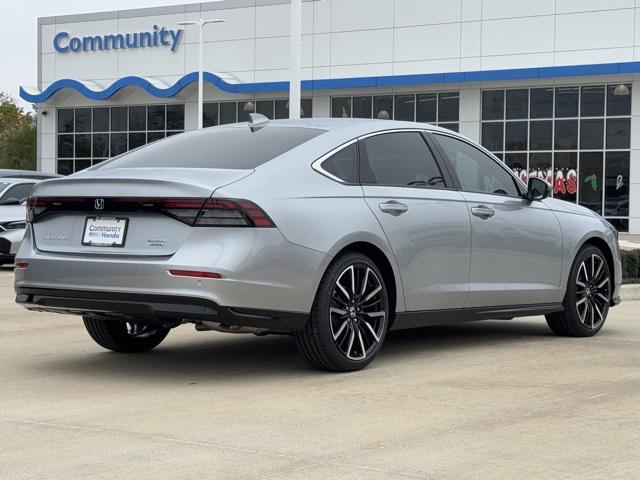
(196, 212)
(194, 274)
(22, 265)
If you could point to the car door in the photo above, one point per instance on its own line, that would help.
(516, 248)
(425, 220)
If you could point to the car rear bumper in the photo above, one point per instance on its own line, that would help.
(165, 309)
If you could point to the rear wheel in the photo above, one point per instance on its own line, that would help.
(586, 303)
(349, 318)
(125, 337)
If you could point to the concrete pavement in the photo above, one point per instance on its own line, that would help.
(487, 400)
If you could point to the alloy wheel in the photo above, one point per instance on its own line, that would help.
(140, 330)
(592, 291)
(357, 311)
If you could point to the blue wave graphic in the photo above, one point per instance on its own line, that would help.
(337, 83)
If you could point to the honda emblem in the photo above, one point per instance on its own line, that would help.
(99, 203)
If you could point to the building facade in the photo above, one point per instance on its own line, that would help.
(549, 86)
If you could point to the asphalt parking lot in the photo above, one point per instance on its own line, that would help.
(490, 400)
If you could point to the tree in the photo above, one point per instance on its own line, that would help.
(18, 136)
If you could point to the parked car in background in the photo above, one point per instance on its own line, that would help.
(7, 172)
(13, 214)
(331, 230)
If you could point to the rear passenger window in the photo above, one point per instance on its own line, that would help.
(477, 171)
(401, 159)
(343, 164)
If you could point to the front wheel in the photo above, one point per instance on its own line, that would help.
(349, 317)
(588, 296)
(124, 337)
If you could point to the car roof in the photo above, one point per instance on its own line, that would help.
(27, 174)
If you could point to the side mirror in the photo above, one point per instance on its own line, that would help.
(537, 189)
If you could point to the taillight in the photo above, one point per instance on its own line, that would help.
(198, 212)
(232, 213)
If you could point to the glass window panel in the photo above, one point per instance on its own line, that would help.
(82, 164)
(541, 135)
(383, 107)
(175, 117)
(100, 144)
(619, 104)
(566, 135)
(449, 107)
(618, 133)
(592, 101)
(341, 107)
(590, 180)
(517, 162)
(282, 110)
(137, 140)
(592, 134)
(118, 143)
(244, 109)
(65, 120)
(227, 113)
(65, 167)
(492, 136)
(540, 166)
(169, 134)
(153, 136)
(96, 161)
(499, 156)
(119, 119)
(137, 118)
(402, 159)
(265, 107)
(620, 224)
(362, 107)
(306, 105)
(65, 146)
(567, 101)
(83, 120)
(541, 103)
(210, 115)
(427, 107)
(344, 164)
(83, 146)
(517, 104)
(616, 188)
(477, 171)
(405, 107)
(155, 117)
(101, 119)
(455, 127)
(565, 179)
(516, 136)
(493, 105)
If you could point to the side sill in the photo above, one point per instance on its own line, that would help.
(426, 318)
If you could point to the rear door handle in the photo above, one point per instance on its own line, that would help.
(483, 211)
(393, 208)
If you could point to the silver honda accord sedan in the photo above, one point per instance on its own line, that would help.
(333, 231)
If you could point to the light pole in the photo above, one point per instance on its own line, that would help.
(201, 23)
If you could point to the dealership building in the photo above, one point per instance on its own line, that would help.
(549, 86)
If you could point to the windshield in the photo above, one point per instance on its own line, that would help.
(233, 148)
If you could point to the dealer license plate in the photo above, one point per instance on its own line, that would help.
(105, 231)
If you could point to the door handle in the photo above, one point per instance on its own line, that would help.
(393, 208)
(483, 211)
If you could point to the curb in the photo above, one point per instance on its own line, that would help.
(630, 292)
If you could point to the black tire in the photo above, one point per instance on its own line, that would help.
(114, 335)
(585, 307)
(346, 321)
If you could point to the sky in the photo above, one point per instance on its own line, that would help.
(18, 51)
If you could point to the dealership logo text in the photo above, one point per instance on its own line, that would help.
(63, 42)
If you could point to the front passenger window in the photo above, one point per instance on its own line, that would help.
(477, 171)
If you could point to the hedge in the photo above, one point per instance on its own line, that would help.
(630, 263)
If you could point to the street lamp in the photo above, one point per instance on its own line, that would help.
(201, 23)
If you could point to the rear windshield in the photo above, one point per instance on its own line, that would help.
(234, 148)
(3, 186)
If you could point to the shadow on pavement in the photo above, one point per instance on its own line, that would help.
(225, 356)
